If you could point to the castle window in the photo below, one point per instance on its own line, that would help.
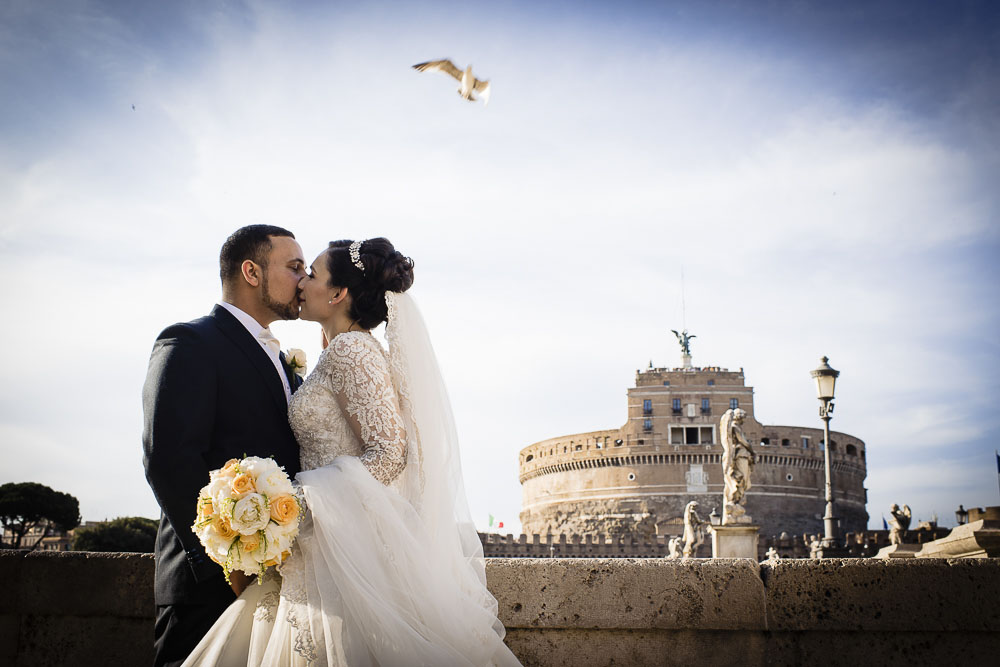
(765, 441)
(785, 442)
(529, 457)
(852, 450)
(788, 477)
(676, 405)
(578, 448)
(734, 403)
(805, 442)
(666, 383)
(706, 407)
(647, 424)
(631, 477)
(711, 383)
(647, 406)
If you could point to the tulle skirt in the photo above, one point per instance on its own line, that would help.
(366, 585)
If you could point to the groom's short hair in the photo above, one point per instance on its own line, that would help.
(252, 242)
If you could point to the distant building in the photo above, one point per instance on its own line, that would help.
(56, 540)
(635, 480)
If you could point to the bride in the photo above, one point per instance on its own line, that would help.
(388, 568)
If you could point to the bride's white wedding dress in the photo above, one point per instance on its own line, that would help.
(387, 568)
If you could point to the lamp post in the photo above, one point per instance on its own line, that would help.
(826, 379)
(961, 515)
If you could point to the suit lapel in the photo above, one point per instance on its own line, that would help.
(258, 358)
(293, 378)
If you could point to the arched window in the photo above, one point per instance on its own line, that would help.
(852, 450)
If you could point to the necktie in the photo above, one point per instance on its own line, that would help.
(270, 341)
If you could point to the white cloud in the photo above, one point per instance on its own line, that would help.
(549, 231)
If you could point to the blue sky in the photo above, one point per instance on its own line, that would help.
(822, 172)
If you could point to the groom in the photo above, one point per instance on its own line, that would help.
(217, 388)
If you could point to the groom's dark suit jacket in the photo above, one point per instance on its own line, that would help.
(211, 394)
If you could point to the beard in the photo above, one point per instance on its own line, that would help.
(284, 311)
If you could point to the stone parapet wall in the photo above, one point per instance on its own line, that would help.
(83, 609)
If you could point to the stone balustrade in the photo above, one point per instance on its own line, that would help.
(96, 608)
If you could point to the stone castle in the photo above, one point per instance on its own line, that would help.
(634, 481)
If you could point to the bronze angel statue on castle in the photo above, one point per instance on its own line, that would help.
(685, 340)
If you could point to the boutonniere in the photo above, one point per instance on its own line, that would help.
(296, 360)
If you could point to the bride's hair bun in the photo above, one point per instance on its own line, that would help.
(385, 270)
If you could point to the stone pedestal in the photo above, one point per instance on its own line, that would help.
(899, 551)
(977, 539)
(734, 541)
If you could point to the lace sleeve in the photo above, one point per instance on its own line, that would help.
(361, 383)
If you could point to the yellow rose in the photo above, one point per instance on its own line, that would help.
(221, 526)
(229, 470)
(205, 508)
(250, 543)
(284, 509)
(244, 484)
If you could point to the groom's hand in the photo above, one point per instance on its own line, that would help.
(239, 582)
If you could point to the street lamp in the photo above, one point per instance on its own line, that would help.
(961, 515)
(826, 379)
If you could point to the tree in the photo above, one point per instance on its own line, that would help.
(26, 506)
(130, 533)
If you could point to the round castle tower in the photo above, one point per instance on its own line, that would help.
(636, 480)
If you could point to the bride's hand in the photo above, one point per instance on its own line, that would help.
(239, 582)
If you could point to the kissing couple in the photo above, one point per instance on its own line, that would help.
(388, 568)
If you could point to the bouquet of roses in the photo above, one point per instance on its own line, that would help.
(248, 515)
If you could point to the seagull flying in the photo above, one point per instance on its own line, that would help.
(470, 84)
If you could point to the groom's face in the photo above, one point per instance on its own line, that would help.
(280, 281)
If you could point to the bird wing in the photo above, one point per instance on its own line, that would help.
(483, 88)
(445, 66)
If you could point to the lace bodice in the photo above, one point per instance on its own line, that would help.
(347, 406)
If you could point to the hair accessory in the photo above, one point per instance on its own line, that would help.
(355, 251)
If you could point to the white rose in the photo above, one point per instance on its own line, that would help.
(275, 483)
(296, 360)
(218, 490)
(277, 541)
(250, 514)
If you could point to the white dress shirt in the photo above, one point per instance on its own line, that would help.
(254, 327)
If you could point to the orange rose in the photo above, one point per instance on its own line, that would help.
(229, 470)
(250, 543)
(284, 509)
(221, 525)
(244, 484)
(278, 561)
(205, 508)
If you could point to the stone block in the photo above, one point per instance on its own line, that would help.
(898, 551)
(11, 574)
(76, 583)
(734, 541)
(976, 539)
(854, 649)
(10, 629)
(93, 640)
(872, 596)
(636, 648)
(625, 593)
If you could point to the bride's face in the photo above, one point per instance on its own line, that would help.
(316, 292)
